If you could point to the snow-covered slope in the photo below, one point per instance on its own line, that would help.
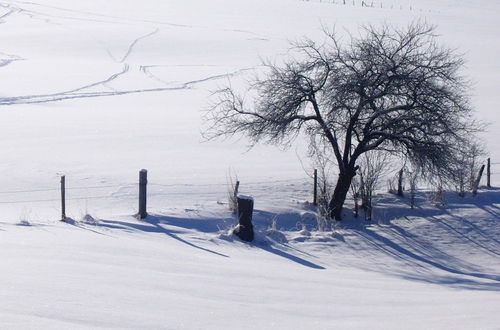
(429, 268)
(99, 89)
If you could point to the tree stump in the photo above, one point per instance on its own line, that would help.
(244, 230)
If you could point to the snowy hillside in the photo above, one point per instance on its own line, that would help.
(429, 268)
(98, 89)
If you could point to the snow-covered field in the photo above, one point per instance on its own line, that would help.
(97, 90)
(430, 268)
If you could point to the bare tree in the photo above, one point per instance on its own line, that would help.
(389, 89)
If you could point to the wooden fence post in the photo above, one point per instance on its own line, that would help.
(143, 182)
(315, 197)
(400, 182)
(476, 184)
(244, 230)
(236, 188)
(488, 174)
(63, 198)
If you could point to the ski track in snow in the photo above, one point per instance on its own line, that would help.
(5, 62)
(145, 69)
(102, 82)
(16, 7)
(131, 47)
(72, 94)
(109, 18)
(10, 12)
(8, 59)
(102, 18)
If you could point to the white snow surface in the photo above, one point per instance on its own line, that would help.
(98, 89)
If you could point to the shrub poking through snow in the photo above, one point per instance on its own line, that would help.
(372, 167)
(232, 193)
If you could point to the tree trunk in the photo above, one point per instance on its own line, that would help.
(340, 194)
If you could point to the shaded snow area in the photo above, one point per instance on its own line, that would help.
(96, 90)
(427, 268)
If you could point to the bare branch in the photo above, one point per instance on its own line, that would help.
(389, 89)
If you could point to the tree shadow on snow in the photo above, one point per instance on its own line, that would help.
(421, 264)
(176, 226)
(269, 248)
(157, 224)
(424, 240)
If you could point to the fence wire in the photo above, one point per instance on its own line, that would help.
(134, 186)
(154, 190)
(58, 200)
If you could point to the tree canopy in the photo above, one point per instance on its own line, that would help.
(389, 89)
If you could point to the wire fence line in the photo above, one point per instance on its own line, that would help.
(57, 200)
(367, 4)
(27, 191)
(56, 189)
(223, 184)
(155, 190)
(134, 186)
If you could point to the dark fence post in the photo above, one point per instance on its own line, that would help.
(315, 197)
(400, 182)
(63, 198)
(488, 174)
(476, 184)
(143, 182)
(236, 188)
(244, 230)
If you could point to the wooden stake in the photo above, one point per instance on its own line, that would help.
(143, 182)
(236, 188)
(400, 182)
(315, 197)
(488, 174)
(63, 198)
(476, 184)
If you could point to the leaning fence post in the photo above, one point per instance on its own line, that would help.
(315, 197)
(478, 179)
(63, 198)
(244, 230)
(143, 182)
(488, 174)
